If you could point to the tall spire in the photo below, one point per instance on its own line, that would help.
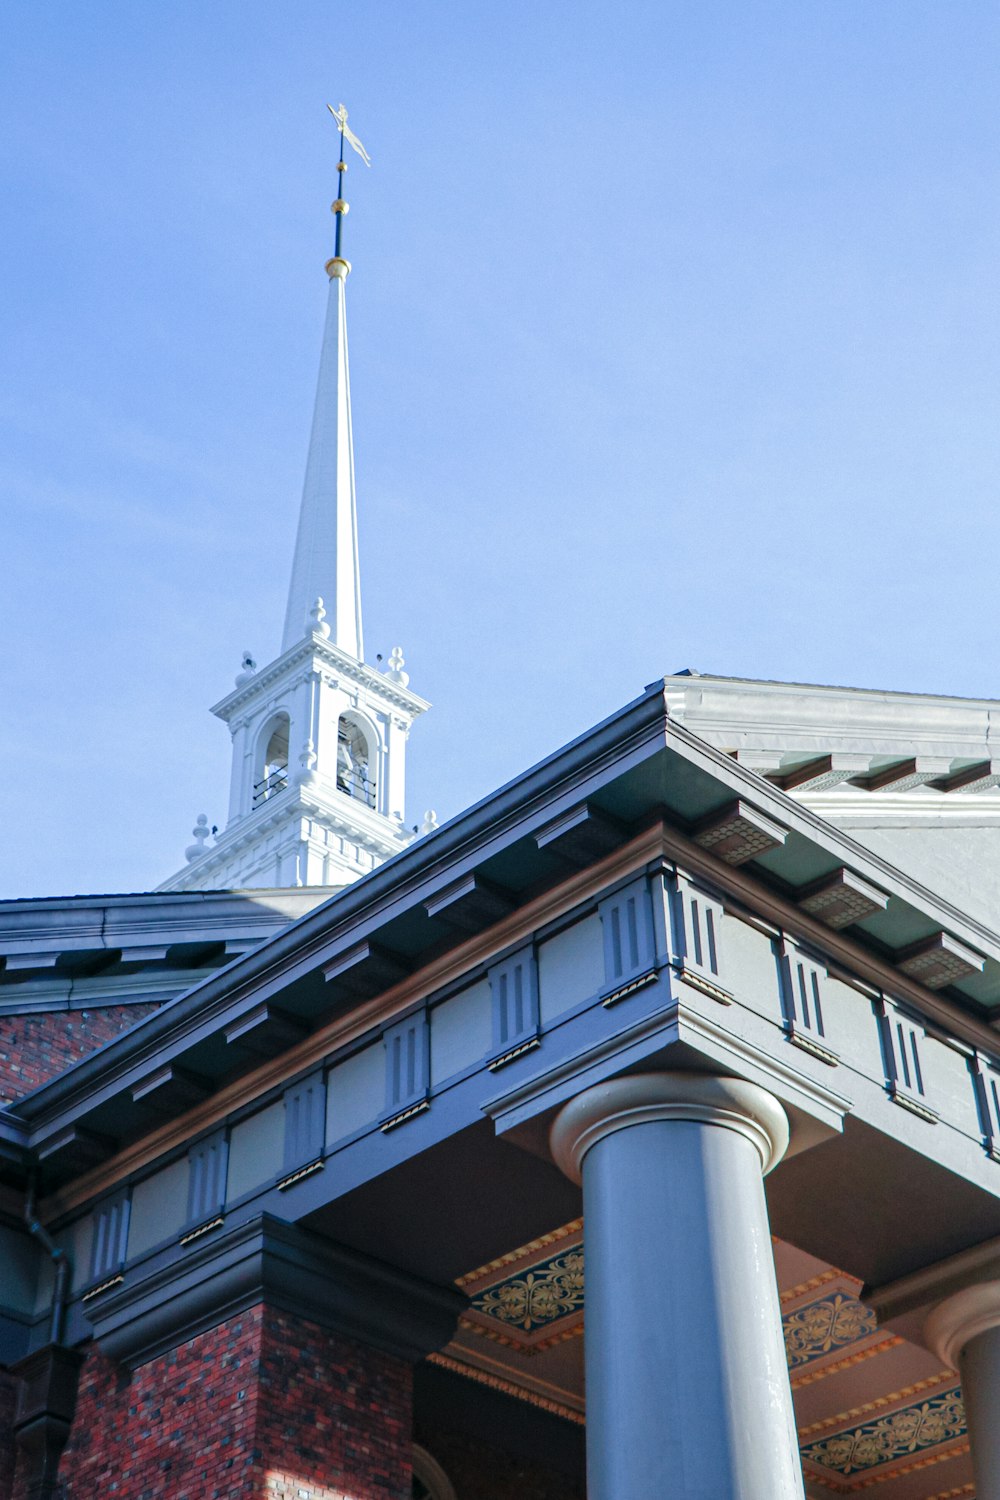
(317, 792)
(325, 564)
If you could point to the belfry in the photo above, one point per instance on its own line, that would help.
(318, 736)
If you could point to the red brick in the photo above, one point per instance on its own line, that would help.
(259, 1408)
(35, 1048)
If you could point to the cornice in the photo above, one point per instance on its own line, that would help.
(838, 713)
(352, 1027)
(846, 953)
(313, 649)
(567, 897)
(518, 811)
(136, 916)
(266, 1260)
(374, 832)
(921, 808)
(355, 912)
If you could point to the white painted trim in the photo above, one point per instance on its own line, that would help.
(959, 1319)
(642, 1098)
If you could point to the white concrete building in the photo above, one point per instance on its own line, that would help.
(915, 777)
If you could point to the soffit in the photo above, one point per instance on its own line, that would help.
(871, 1409)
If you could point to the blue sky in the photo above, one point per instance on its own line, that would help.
(674, 341)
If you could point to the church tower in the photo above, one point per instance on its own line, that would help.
(318, 737)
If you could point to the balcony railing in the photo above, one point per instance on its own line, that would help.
(273, 783)
(356, 783)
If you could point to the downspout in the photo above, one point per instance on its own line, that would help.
(60, 1261)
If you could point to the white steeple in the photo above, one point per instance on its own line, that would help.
(319, 738)
(326, 547)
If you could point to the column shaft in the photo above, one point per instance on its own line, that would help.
(964, 1333)
(687, 1383)
(979, 1364)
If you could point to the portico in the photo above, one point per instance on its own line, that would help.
(533, 1073)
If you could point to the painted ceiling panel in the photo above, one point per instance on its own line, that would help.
(873, 1411)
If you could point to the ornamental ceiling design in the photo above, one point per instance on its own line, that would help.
(548, 1293)
(872, 1409)
(820, 1327)
(913, 1429)
(533, 1298)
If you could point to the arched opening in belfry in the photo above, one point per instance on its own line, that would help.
(272, 764)
(355, 763)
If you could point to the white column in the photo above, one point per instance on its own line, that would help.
(687, 1384)
(392, 795)
(964, 1331)
(239, 796)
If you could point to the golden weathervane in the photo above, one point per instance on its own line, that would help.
(340, 115)
(341, 206)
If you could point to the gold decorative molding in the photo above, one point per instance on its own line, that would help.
(838, 1487)
(497, 1336)
(958, 1451)
(882, 1445)
(944, 1377)
(508, 1387)
(811, 1376)
(814, 1282)
(575, 1226)
(816, 1329)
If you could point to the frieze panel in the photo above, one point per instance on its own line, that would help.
(537, 1298)
(534, 1297)
(821, 1327)
(912, 1430)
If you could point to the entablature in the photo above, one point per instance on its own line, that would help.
(317, 653)
(78, 951)
(567, 868)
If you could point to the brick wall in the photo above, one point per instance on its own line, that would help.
(264, 1407)
(334, 1414)
(35, 1048)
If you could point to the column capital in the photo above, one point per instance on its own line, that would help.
(641, 1098)
(960, 1318)
(944, 1305)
